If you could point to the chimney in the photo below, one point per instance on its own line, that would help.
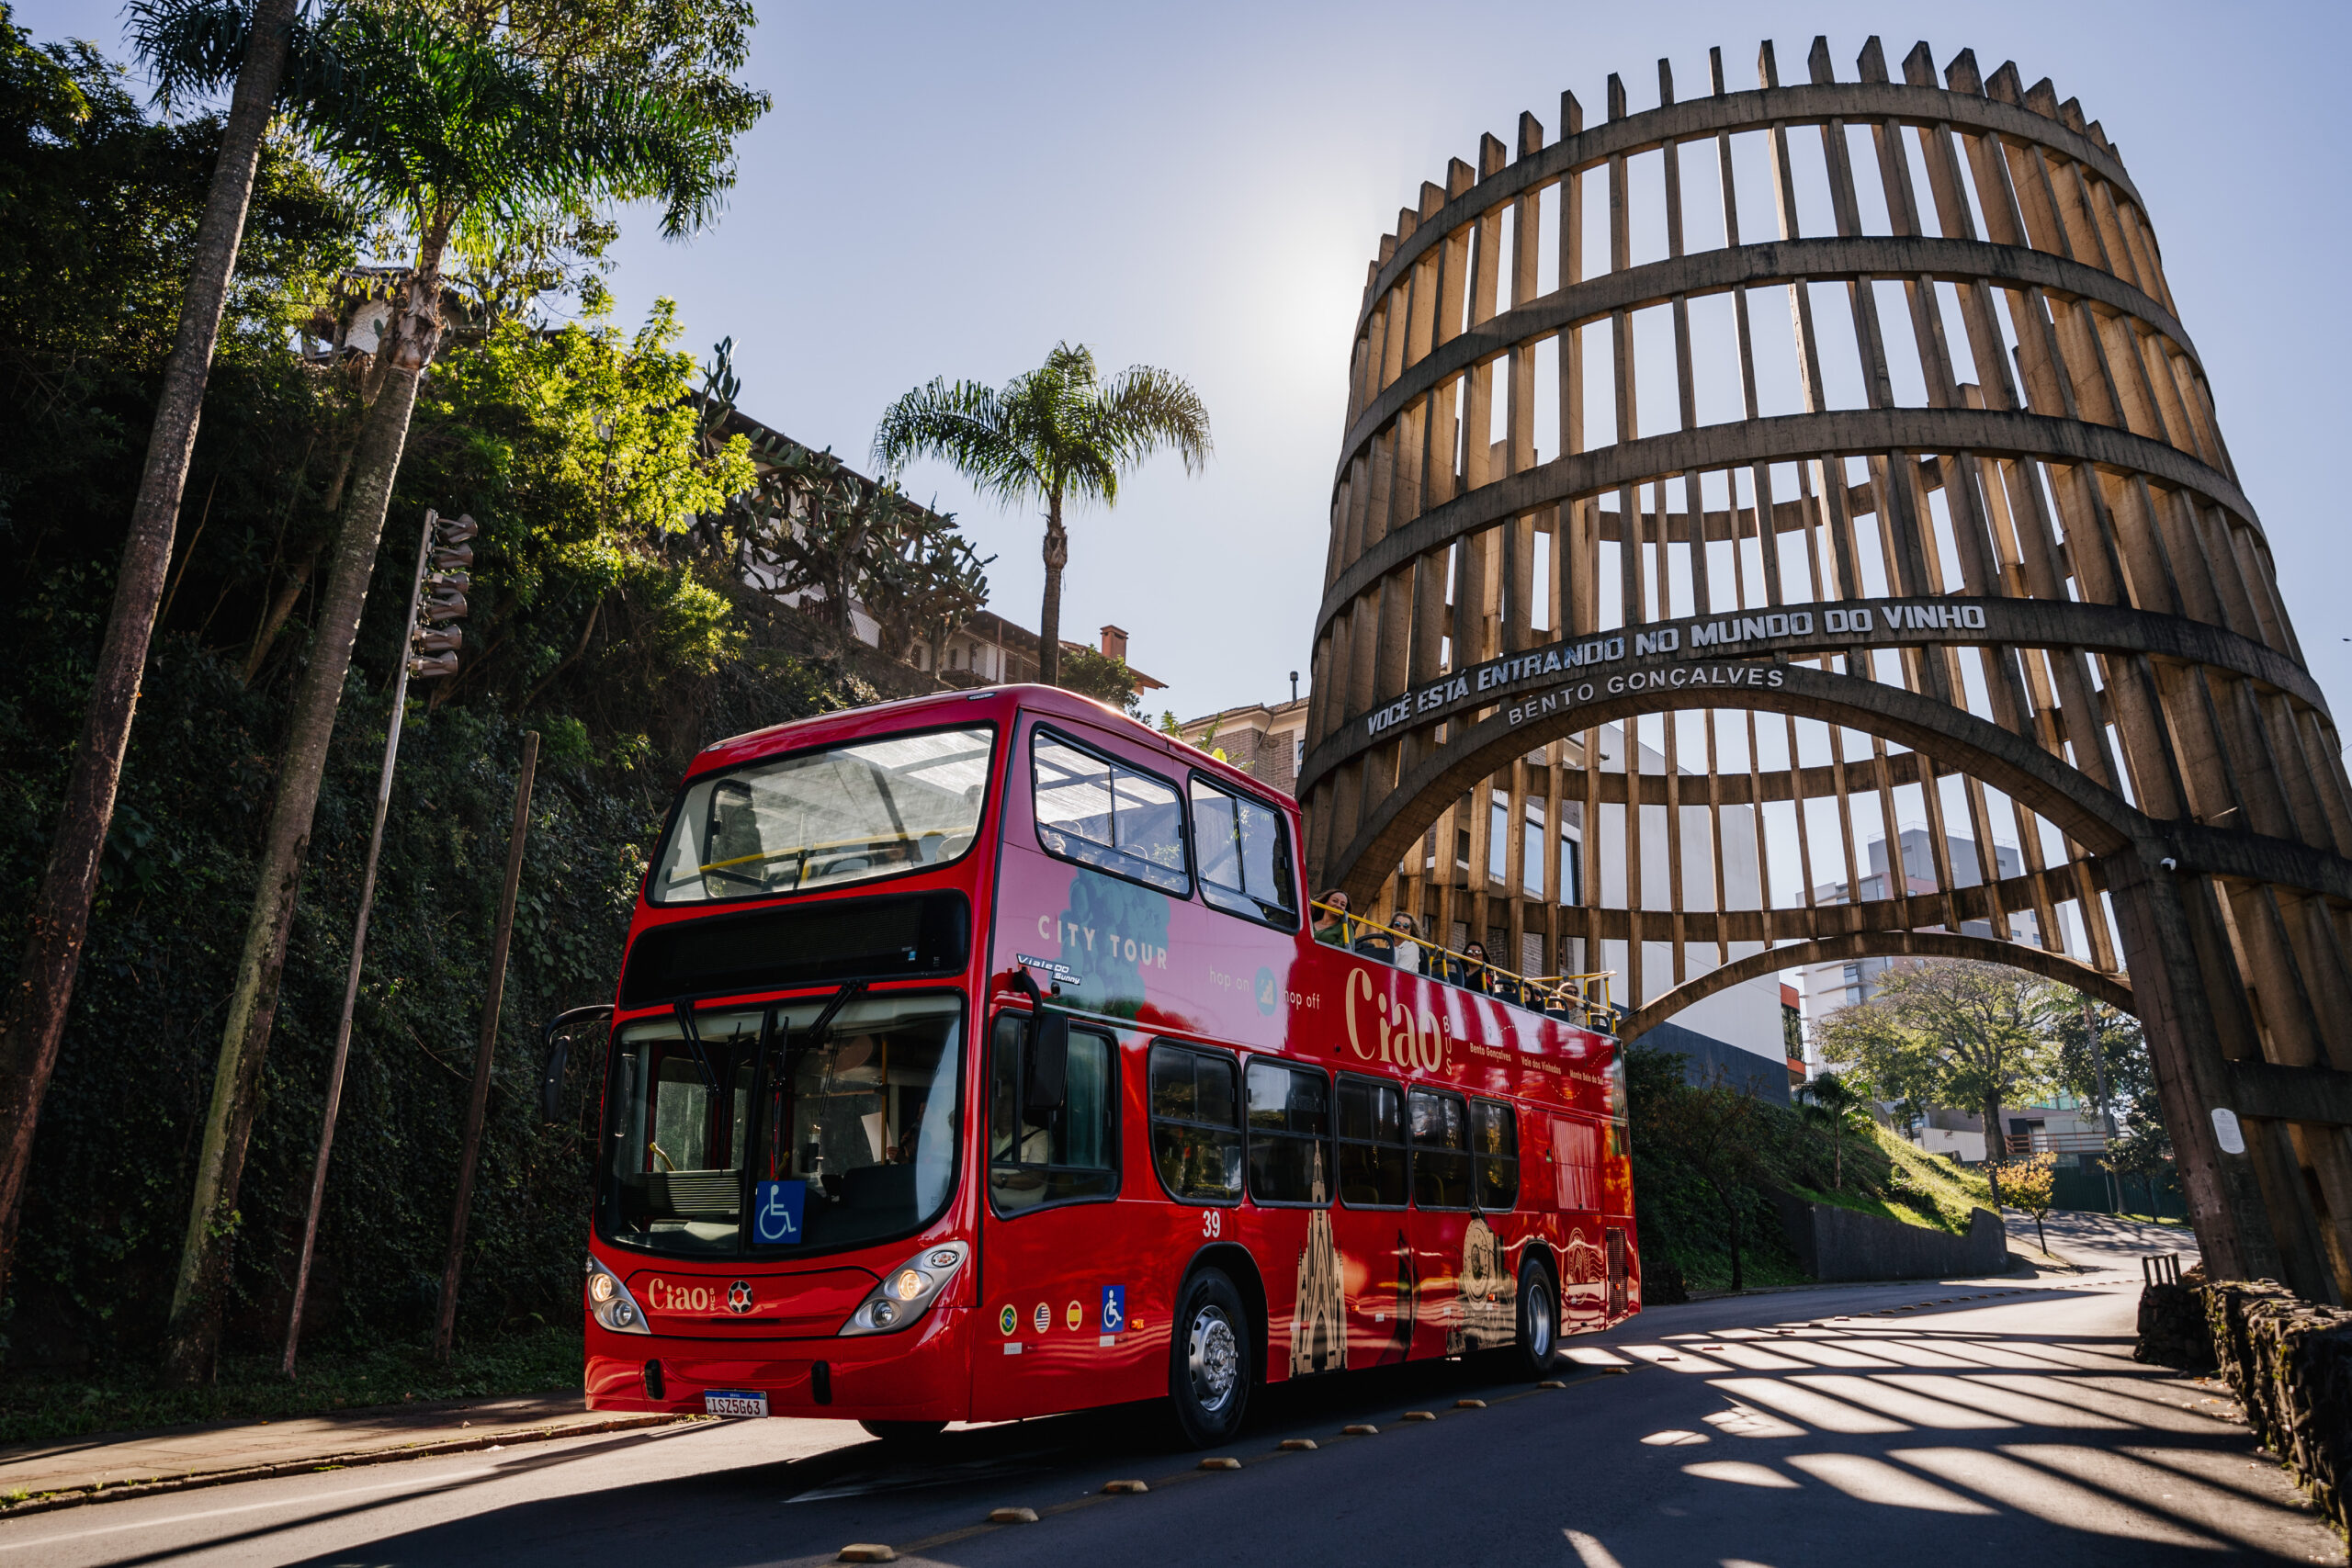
(1115, 643)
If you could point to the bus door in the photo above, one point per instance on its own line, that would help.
(1053, 1307)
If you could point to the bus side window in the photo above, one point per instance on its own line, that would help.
(1107, 815)
(1244, 849)
(1196, 1124)
(1495, 1147)
(1441, 1125)
(1290, 1133)
(1576, 1164)
(1372, 1144)
(1058, 1156)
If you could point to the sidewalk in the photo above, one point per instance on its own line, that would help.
(107, 1465)
(2093, 1240)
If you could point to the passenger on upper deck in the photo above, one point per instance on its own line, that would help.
(1475, 972)
(1330, 927)
(1408, 952)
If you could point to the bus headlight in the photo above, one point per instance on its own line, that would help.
(907, 1291)
(610, 1303)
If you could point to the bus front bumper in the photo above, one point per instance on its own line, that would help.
(917, 1375)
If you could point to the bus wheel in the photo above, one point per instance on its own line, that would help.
(1209, 1371)
(904, 1434)
(1539, 1321)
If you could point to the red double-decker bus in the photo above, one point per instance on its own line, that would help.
(975, 1057)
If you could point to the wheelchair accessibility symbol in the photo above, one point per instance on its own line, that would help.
(776, 1211)
(1115, 1309)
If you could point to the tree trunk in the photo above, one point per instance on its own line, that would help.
(193, 1334)
(1994, 1146)
(60, 918)
(1050, 613)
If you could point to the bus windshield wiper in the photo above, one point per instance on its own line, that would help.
(684, 1012)
(823, 1024)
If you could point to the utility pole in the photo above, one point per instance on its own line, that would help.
(481, 1100)
(432, 654)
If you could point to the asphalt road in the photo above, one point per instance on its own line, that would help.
(1941, 1423)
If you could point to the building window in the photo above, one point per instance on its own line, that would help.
(1196, 1124)
(1530, 855)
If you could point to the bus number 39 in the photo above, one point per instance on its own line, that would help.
(1212, 1222)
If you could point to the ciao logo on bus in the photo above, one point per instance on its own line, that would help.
(662, 1296)
(1404, 1041)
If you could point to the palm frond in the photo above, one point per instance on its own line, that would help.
(972, 427)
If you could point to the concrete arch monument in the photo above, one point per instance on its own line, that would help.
(1742, 476)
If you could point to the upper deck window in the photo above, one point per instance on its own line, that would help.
(1109, 816)
(824, 818)
(1245, 856)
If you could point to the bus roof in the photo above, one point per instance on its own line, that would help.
(995, 704)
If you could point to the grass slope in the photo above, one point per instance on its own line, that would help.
(39, 1407)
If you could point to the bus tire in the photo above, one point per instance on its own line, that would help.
(1538, 1346)
(904, 1434)
(1208, 1363)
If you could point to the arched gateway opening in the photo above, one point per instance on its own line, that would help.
(1792, 524)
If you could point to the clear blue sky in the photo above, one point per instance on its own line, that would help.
(949, 190)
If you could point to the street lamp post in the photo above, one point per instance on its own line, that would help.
(431, 654)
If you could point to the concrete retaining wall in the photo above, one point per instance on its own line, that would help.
(1836, 1244)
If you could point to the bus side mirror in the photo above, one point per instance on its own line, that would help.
(551, 1082)
(1047, 1081)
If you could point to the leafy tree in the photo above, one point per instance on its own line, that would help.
(2031, 1179)
(580, 451)
(1057, 431)
(1718, 1132)
(1102, 677)
(467, 127)
(1835, 1105)
(35, 1016)
(1967, 1033)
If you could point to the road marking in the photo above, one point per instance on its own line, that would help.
(303, 1501)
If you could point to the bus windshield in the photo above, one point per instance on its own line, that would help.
(827, 818)
(865, 1120)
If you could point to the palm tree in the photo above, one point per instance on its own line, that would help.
(1058, 431)
(34, 1020)
(464, 125)
(1832, 1102)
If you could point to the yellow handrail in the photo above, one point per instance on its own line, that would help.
(1585, 995)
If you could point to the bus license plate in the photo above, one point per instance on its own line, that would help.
(734, 1402)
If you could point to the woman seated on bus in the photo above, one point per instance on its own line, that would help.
(1476, 974)
(1408, 952)
(1331, 921)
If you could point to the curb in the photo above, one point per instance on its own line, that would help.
(108, 1491)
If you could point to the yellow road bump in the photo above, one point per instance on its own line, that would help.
(1298, 1445)
(1125, 1488)
(1360, 1429)
(1469, 1404)
(1551, 1383)
(1013, 1516)
(1617, 1371)
(1220, 1464)
(1420, 1416)
(867, 1552)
